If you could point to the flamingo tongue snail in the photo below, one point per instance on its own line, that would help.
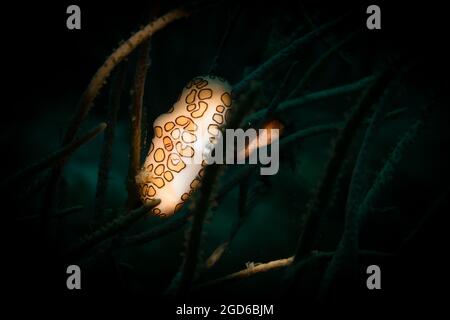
(172, 170)
(183, 142)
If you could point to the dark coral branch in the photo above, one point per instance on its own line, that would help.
(111, 62)
(157, 232)
(320, 197)
(309, 132)
(325, 128)
(281, 57)
(60, 214)
(190, 262)
(215, 256)
(319, 62)
(279, 95)
(345, 254)
(360, 180)
(91, 92)
(143, 63)
(35, 185)
(106, 152)
(234, 181)
(437, 207)
(52, 159)
(231, 22)
(303, 133)
(327, 42)
(277, 264)
(243, 212)
(109, 230)
(313, 97)
(248, 272)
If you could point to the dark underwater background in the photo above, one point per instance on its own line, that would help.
(403, 230)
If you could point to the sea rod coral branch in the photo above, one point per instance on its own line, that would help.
(108, 139)
(142, 66)
(111, 62)
(84, 105)
(348, 245)
(280, 263)
(341, 145)
(110, 229)
(175, 223)
(62, 213)
(312, 97)
(345, 258)
(53, 158)
(281, 56)
(319, 62)
(248, 272)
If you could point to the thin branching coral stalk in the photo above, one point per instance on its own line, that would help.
(279, 95)
(87, 98)
(142, 66)
(330, 128)
(302, 133)
(36, 185)
(359, 184)
(313, 97)
(106, 152)
(360, 180)
(178, 221)
(231, 22)
(319, 62)
(52, 159)
(326, 41)
(343, 141)
(349, 242)
(60, 214)
(437, 207)
(348, 166)
(281, 56)
(98, 80)
(190, 262)
(256, 269)
(248, 272)
(309, 132)
(217, 253)
(234, 180)
(243, 212)
(110, 229)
